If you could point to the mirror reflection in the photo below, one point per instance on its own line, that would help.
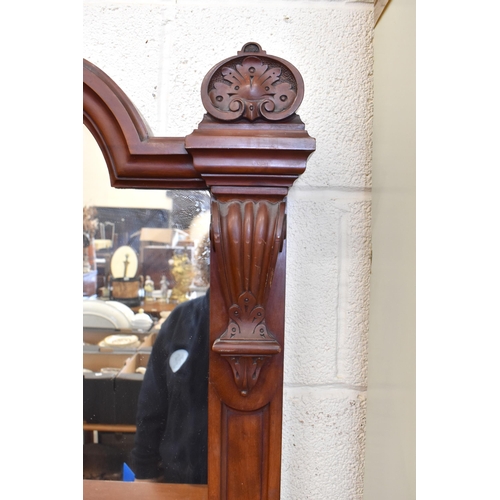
(145, 329)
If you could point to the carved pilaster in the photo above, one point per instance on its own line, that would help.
(249, 149)
(247, 236)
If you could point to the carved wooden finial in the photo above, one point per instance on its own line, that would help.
(252, 85)
(249, 149)
(251, 47)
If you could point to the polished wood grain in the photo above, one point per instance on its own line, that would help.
(248, 150)
(138, 490)
(135, 158)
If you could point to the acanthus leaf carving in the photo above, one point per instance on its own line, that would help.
(248, 236)
(252, 85)
(252, 89)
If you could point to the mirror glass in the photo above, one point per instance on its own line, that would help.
(145, 329)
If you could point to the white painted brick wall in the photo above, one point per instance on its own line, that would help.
(159, 52)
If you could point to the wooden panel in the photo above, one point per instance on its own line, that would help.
(245, 449)
(245, 438)
(106, 490)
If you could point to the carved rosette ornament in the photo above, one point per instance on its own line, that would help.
(247, 236)
(252, 86)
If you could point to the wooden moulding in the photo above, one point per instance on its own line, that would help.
(135, 158)
(248, 150)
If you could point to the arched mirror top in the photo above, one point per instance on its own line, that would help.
(134, 157)
(252, 92)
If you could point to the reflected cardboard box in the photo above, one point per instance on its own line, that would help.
(99, 373)
(157, 247)
(127, 387)
(148, 342)
(155, 236)
(153, 256)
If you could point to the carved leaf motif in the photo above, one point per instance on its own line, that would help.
(284, 95)
(246, 371)
(252, 89)
(247, 237)
(248, 317)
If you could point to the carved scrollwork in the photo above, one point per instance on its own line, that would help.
(252, 86)
(247, 235)
(251, 89)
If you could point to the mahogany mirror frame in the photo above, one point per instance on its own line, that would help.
(247, 151)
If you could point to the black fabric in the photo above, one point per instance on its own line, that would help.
(172, 416)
